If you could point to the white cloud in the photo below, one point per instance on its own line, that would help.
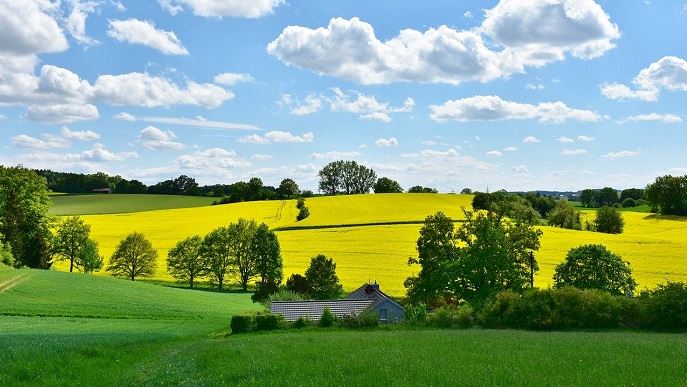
(277, 136)
(519, 169)
(565, 140)
(311, 104)
(573, 152)
(213, 161)
(527, 33)
(668, 73)
(83, 135)
(494, 153)
(510, 149)
(48, 141)
(261, 157)
(100, 153)
(334, 155)
(155, 139)
(467, 15)
(665, 118)
(493, 108)
(124, 116)
(28, 28)
(221, 8)
(621, 154)
(144, 32)
(534, 86)
(76, 21)
(62, 113)
(585, 138)
(386, 142)
(530, 140)
(142, 89)
(230, 79)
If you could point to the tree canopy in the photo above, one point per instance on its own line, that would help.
(668, 195)
(322, 279)
(134, 257)
(387, 185)
(184, 260)
(609, 220)
(346, 177)
(71, 238)
(595, 267)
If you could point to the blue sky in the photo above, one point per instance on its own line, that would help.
(521, 95)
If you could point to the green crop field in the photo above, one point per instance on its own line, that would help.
(376, 248)
(116, 204)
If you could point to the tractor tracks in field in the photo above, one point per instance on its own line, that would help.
(277, 216)
(14, 281)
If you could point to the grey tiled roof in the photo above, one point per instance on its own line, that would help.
(293, 310)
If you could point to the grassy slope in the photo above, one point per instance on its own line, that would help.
(653, 245)
(115, 204)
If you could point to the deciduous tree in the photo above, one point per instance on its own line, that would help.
(386, 185)
(595, 267)
(609, 220)
(134, 257)
(322, 278)
(185, 262)
(217, 254)
(89, 258)
(71, 238)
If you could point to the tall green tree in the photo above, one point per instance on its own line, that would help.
(288, 189)
(268, 262)
(185, 261)
(595, 267)
(217, 253)
(71, 238)
(609, 220)
(564, 215)
(243, 259)
(89, 258)
(134, 257)
(485, 256)
(322, 278)
(668, 195)
(387, 185)
(24, 219)
(347, 177)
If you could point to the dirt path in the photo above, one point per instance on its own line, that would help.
(14, 281)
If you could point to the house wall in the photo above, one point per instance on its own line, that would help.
(394, 313)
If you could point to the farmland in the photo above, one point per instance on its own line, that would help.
(56, 328)
(115, 204)
(379, 251)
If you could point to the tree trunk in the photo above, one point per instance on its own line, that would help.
(71, 265)
(191, 281)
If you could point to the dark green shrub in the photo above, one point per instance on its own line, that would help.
(300, 203)
(349, 321)
(609, 220)
(242, 323)
(302, 322)
(416, 314)
(368, 318)
(327, 319)
(665, 308)
(297, 283)
(629, 202)
(302, 213)
(501, 311)
(595, 267)
(452, 317)
(267, 322)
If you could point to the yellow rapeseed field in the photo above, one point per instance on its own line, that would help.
(654, 246)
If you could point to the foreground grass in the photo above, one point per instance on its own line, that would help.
(319, 357)
(121, 203)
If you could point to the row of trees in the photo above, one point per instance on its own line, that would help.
(608, 196)
(668, 195)
(346, 177)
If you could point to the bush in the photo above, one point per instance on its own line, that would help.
(327, 320)
(267, 321)
(565, 215)
(302, 213)
(416, 314)
(225, 200)
(609, 220)
(302, 322)
(665, 308)
(452, 317)
(300, 203)
(241, 323)
(550, 309)
(367, 319)
(284, 295)
(6, 257)
(298, 284)
(629, 202)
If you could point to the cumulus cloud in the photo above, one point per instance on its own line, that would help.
(100, 153)
(261, 157)
(144, 32)
(222, 8)
(621, 154)
(565, 140)
(277, 136)
(28, 28)
(213, 159)
(530, 140)
(494, 153)
(668, 73)
(230, 79)
(585, 138)
(654, 117)
(76, 21)
(83, 135)
(386, 142)
(510, 149)
(573, 152)
(493, 108)
(527, 33)
(62, 113)
(311, 104)
(155, 139)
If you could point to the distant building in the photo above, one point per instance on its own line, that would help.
(106, 191)
(365, 297)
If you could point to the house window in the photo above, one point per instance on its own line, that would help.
(383, 314)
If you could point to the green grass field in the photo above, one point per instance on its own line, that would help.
(117, 204)
(74, 329)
